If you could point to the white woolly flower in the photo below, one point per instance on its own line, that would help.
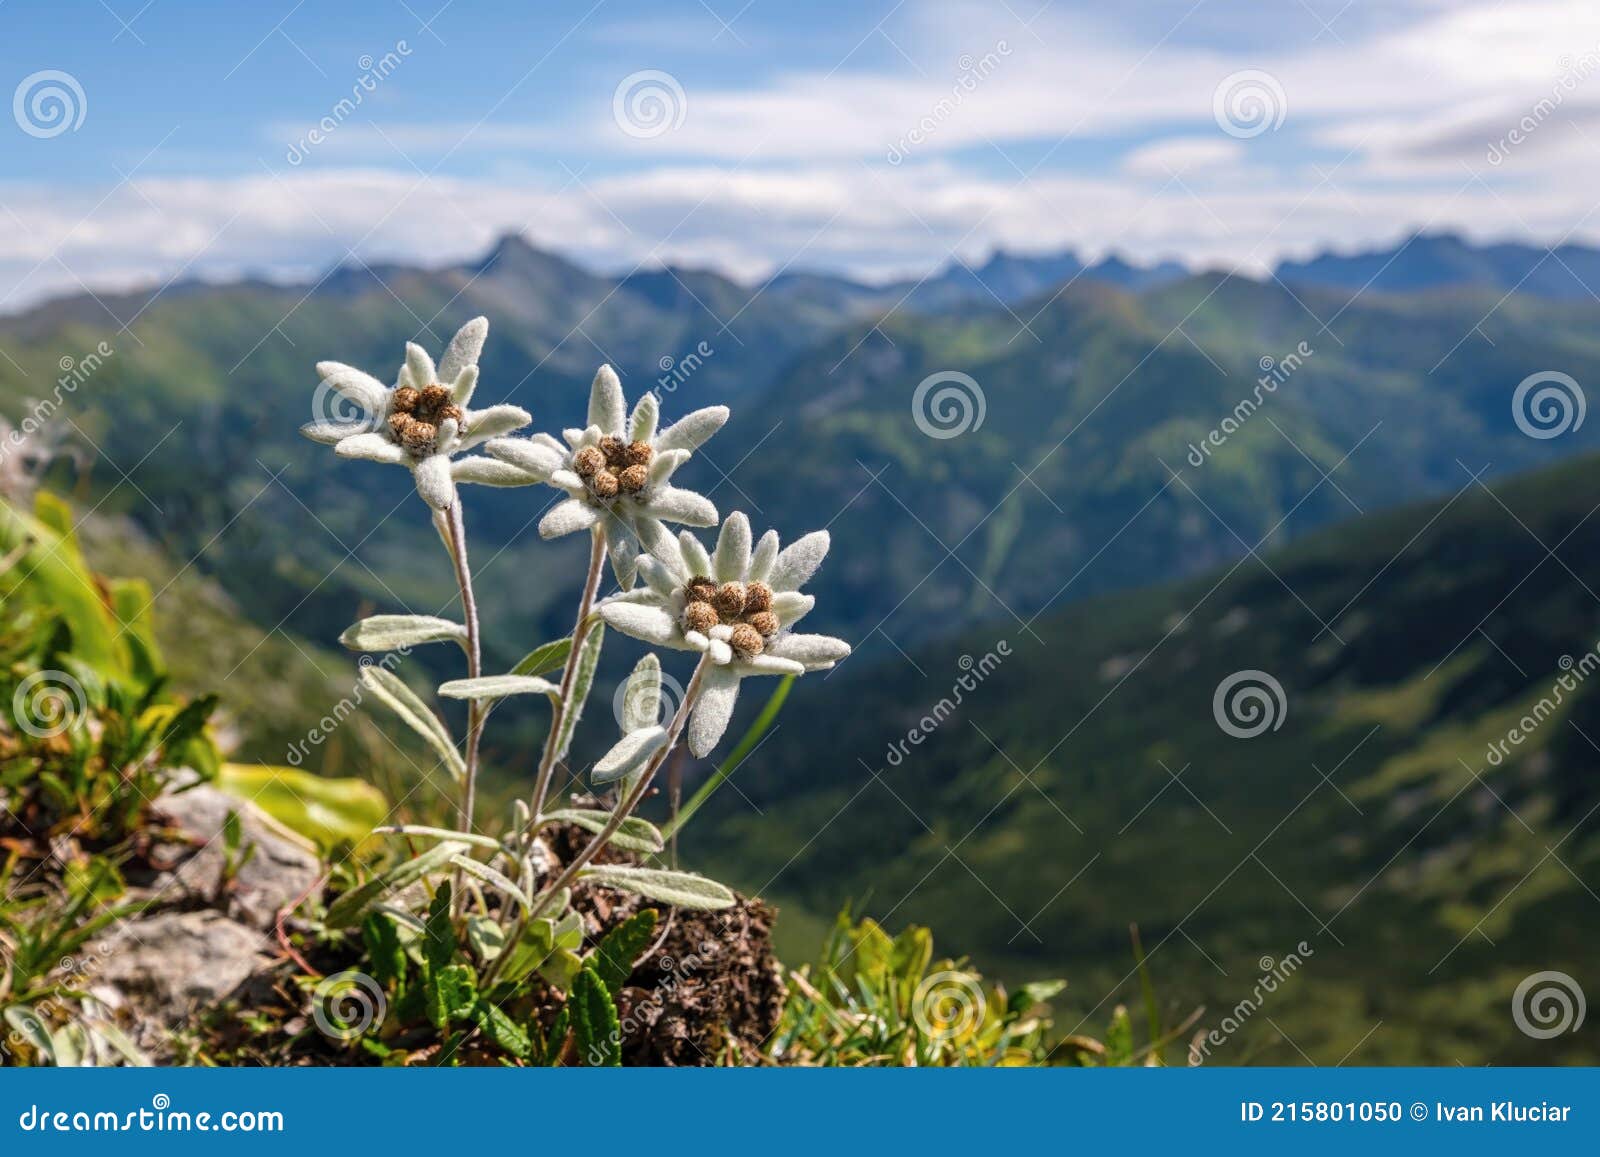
(424, 420)
(619, 467)
(736, 606)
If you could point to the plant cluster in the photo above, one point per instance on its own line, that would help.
(457, 928)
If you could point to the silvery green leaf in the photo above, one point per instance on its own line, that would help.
(732, 558)
(718, 693)
(646, 412)
(422, 831)
(544, 658)
(607, 407)
(491, 877)
(463, 351)
(688, 432)
(641, 699)
(623, 551)
(630, 753)
(582, 681)
(765, 554)
(798, 561)
(489, 472)
(419, 364)
(695, 557)
(348, 909)
(26, 1022)
(683, 889)
(497, 687)
(72, 1046)
(403, 701)
(391, 632)
(432, 475)
(634, 835)
(118, 1040)
(486, 936)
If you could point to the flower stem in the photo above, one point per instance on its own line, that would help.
(591, 586)
(631, 801)
(457, 528)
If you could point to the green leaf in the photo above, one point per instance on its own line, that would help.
(348, 909)
(641, 697)
(497, 687)
(487, 938)
(403, 701)
(452, 995)
(329, 811)
(1030, 996)
(634, 835)
(632, 752)
(557, 1043)
(422, 831)
(439, 941)
(597, 1031)
(501, 1029)
(544, 659)
(560, 967)
(384, 950)
(582, 681)
(490, 876)
(395, 632)
(682, 889)
(615, 955)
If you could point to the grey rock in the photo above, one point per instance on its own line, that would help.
(172, 963)
(279, 871)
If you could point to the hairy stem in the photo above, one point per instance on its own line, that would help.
(631, 801)
(457, 529)
(591, 586)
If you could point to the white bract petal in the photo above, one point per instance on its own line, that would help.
(527, 454)
(799, 561)
(607, 407)
(664, 464)
(433, 481)
(364, 390)
(719, 691)
(332, 433)
(489, 472)
(650, 624)
(732, 559)
(419, 366)
(683, 506)
(695, 557)
(771, 665)
(372, 447)
(646, 413)
(464, 386)
(463, 351)
(632, 752)
(692, 430)
(567, 517)
(791, 606)
(765, 554)
(493, 422)
(817, 652)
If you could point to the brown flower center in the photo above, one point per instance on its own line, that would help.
(416, 416)
(614, 467)
(746, 607)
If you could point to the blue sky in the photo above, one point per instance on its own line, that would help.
(874, 137)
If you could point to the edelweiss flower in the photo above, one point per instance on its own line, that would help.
(619, 467)
(736, 606)
(424, 421)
